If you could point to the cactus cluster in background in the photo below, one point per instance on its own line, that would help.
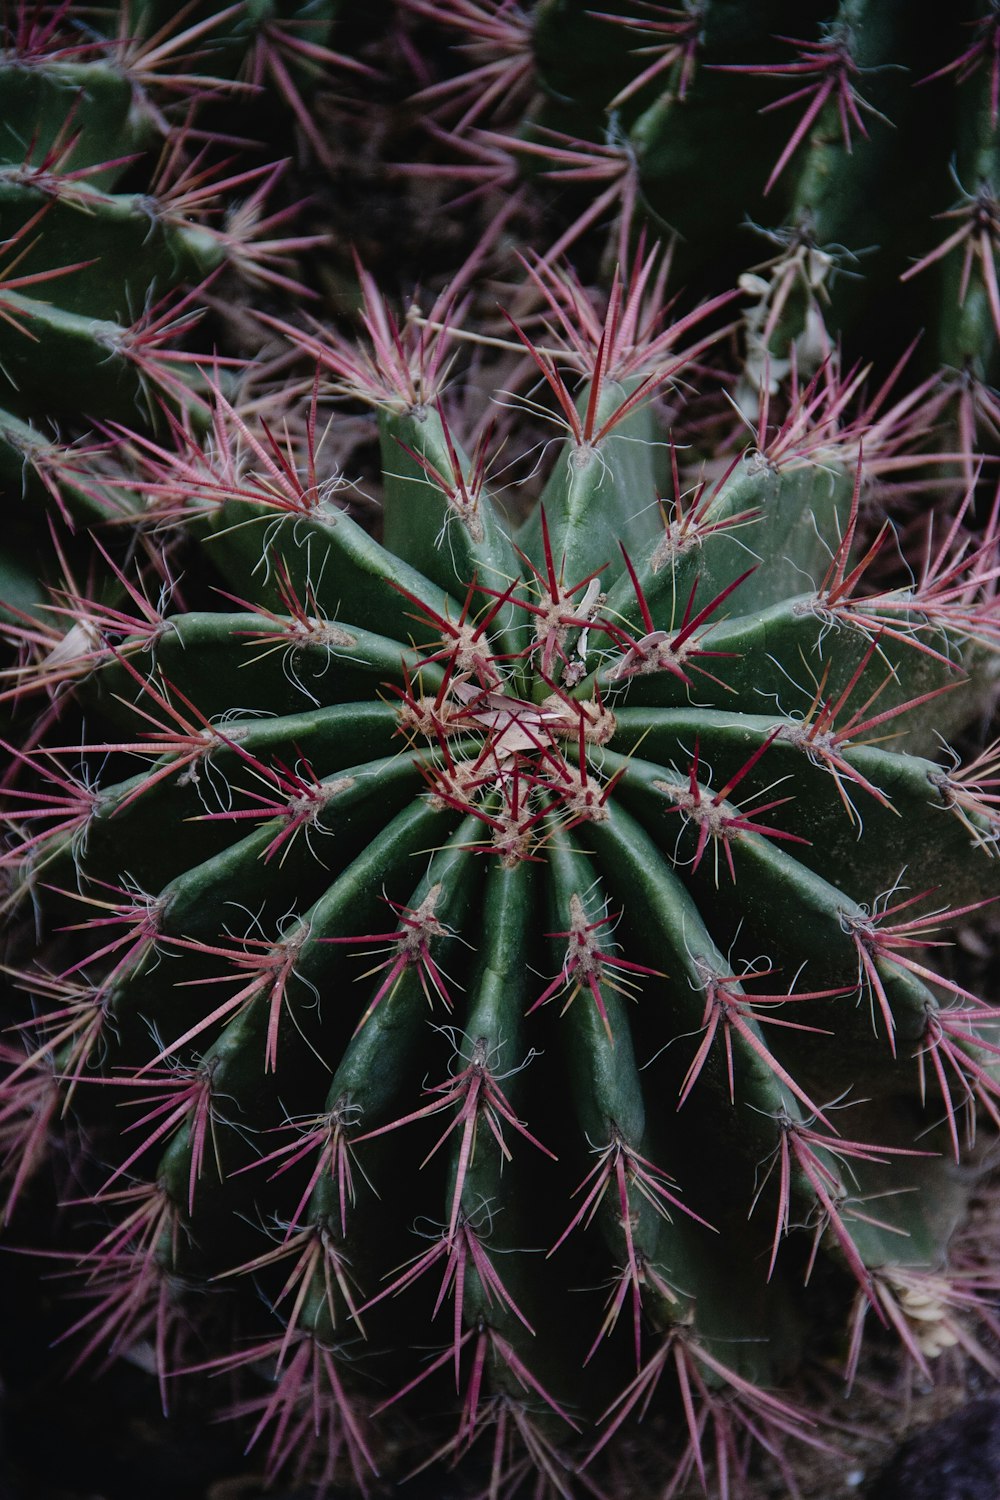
(839, 160)
(482, 974)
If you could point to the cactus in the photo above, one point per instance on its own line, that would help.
(776, 143)
(112, 209)
(499, 963)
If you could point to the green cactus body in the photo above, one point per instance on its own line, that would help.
(481, 915)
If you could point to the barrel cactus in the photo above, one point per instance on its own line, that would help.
(496, 968)
(768, 140)
(120, 193)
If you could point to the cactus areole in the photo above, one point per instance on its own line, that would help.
(502, 964)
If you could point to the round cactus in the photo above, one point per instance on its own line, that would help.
(500, 965)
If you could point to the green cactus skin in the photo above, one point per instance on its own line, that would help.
(514, 951)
